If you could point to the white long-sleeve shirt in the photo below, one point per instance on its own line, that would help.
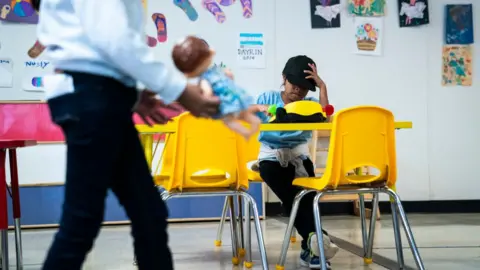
(107, 38)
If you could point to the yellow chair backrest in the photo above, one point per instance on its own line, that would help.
(208, 155)
(362, 136)
(253, 148)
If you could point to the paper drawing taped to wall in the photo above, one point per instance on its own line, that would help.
(36, 50)
(413, 12)
(213, 6)
(368, 36)
(366, 7)
(6, 73)
(459, 24)
(20, 11)
(325, 13)
(33, 73)
(457, 65)
(161, 25)
(187, 7)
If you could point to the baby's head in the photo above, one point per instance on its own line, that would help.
(192, 56)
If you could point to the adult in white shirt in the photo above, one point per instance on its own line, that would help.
(99, 52)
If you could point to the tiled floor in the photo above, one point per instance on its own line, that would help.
(447, 242)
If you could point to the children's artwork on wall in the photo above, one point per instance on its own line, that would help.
(36, 50)
(33, 73)
(213, 7)
(187, 7)
(366, 8)
(368, 35)
(459, 24)
(161, 25)
(247, 8)
(413, 12)
(226, 3)
(6, 73)
(325, 13)
(20, 11)
(457, 65)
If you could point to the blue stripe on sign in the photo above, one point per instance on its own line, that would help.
(251, 43)
(251, 35)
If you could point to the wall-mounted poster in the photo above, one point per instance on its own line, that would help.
(325, 13)
(368, 35)
(413, 12)
(20, 11)
(459, 24)
(457, 65)
(366, 8)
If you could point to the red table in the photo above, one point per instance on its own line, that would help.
(10, 146)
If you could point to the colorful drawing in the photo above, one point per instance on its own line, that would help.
(226, 3)
(413, 12)
(36, 50)
(459, 24)
(34, 71)
(151, 41)
(161, 25)
(37, 82)
(187, 7)
(247, 8)
(20, 11)
(366, 7)
(215, 9)
(325, 13)
(457, 65)
(368, 35)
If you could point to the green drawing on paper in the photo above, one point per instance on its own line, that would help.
(366, 7)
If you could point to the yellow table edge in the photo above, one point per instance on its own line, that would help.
(170, 127)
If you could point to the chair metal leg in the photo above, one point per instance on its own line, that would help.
(258, 228)
(233, 231)
(241, 239)
(398, 237)
(318, 229)
(363, 221)
(408, 230)
(248, 236)
(290, 228)
(218, 241)
(371, 232)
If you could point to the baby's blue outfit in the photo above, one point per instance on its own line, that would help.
(280, 139)
(233, 98)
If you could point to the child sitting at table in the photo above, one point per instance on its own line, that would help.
(284, 155)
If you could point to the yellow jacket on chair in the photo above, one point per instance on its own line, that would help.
(361, 136)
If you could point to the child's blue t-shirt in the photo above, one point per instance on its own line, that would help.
(281, 139)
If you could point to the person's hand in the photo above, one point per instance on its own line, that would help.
(313, 74)
(200, 105)
(148, 107)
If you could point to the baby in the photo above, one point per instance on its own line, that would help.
(193, 57)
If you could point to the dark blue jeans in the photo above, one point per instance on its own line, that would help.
(104, 152)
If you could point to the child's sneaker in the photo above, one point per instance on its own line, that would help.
(330, 248)
(307, 259)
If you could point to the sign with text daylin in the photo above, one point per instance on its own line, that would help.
(251, 50)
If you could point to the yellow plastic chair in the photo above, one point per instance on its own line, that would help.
(205, 158)
(361, 136)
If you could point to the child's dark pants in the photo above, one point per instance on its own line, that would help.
(280, 179)
(104, 153)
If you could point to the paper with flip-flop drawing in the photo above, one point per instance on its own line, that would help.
(213, 6)
(20, 11)
(325, 13)
(459, 24)
(367, 8)
(413, 12)
(457, 65)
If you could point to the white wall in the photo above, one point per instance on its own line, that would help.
(436, 158)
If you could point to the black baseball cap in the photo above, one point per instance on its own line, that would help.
(294, 72)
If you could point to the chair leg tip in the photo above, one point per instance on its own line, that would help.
(293, 239)
(368, 260)
(218, 243)
(235, 261)
(279, 267)
(242, 252)
(248, 264)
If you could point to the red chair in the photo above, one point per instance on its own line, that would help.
(10, 146)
